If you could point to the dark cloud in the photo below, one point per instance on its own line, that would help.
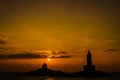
(5, 47)
(22, 56)
(112, 50)
(62, 56)
(30, 56)
(60, 52)
(2, 42)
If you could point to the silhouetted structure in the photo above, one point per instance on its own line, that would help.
(89, 67)
(44, 66)
(44, 71)
(89, 71)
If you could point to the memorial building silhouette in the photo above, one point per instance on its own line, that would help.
(89, 67)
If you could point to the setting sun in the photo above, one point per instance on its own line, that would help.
(48, 59)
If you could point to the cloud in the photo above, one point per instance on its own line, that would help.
(2, 42)
(112, 50)
(59, 52)
(32, 55)
(11, 52)
(61, 56)
(54, 54)
(5, 47)
(22, 56)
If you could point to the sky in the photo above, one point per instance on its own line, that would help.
(60, 29)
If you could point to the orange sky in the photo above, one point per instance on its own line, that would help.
(59, 29)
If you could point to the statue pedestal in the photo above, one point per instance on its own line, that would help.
(89, 68)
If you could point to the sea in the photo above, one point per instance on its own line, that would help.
(17, 77)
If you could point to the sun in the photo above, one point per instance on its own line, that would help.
(48, 59)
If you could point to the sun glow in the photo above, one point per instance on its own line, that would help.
(48, 59)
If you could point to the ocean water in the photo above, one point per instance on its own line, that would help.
(14, 77)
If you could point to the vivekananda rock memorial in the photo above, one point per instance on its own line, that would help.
(89, 71)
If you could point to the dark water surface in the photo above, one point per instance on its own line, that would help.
(15, 77)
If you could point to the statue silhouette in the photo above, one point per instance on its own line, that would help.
(89, 59)
(89, 67)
